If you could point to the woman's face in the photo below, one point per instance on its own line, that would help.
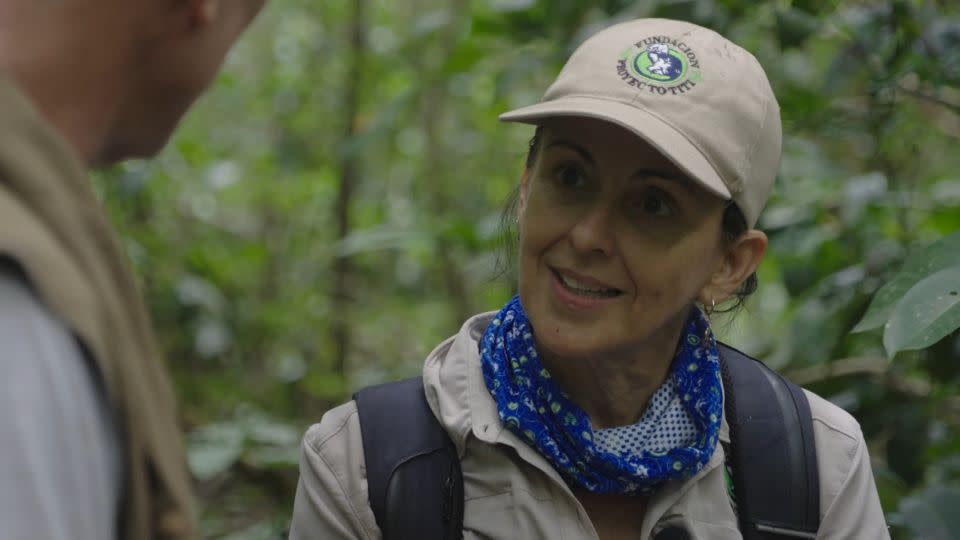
(615, 243)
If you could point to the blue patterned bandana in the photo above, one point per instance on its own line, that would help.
(534, 407)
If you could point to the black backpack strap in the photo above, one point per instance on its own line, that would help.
(412, 465)
(774, 460)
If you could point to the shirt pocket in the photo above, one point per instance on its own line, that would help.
(516, 514)
(714, 531)
(697, 530)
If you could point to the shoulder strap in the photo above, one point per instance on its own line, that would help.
(412, 466)
(773, 455)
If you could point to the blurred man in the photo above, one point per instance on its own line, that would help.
(89, 442)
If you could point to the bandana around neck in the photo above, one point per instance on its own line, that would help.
(533, 406)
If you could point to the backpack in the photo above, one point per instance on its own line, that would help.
(416, 487)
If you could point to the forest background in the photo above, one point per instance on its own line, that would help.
(331, 212)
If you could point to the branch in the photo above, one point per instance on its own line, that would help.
(857, 365)
(953, 107)
(872, 366)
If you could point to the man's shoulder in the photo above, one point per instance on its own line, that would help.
(36, 343)
(39, 349)
(19, 304)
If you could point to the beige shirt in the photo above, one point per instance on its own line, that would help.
(511, 491)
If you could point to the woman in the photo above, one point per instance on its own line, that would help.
(591, 405)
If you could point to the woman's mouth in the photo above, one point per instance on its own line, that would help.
(583, 288)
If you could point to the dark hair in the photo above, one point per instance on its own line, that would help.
(732, 226)
(534, 147)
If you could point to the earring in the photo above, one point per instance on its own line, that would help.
(708, 337)
(708, 311)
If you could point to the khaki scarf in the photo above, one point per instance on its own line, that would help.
(53, 227)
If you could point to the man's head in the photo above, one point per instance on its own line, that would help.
(115, 76)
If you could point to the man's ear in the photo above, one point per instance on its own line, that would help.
(201, 12)
(174, 18)
(181, 16)
(740, 259)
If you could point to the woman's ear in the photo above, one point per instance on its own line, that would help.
(740, 259)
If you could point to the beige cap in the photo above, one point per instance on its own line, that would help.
(698, 98)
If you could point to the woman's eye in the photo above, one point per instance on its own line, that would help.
(570, 176)
(655, 203)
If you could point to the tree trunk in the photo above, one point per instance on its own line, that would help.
(349, 176)
(432, 108)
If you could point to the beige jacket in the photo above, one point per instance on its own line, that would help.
(512, 492)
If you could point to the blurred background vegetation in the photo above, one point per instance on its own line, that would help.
(330, 213)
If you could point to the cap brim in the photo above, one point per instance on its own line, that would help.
(648, 126)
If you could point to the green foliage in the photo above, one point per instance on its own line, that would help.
(942, 255)
(918, 307)
(932, 513)
(261, 441)
(925, 314)
(271, 312)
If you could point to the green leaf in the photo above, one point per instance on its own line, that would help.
(795, 26)
(928, 312)
(378, 238)
(274, 456)
(214, 448)
(932, 514)
(266, 430)
(507, 6)
(942, 254)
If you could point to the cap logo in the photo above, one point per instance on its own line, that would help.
(661, 65)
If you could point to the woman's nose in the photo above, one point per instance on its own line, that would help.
(593, 232)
